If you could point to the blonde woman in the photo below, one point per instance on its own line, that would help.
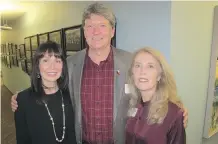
(155, 114)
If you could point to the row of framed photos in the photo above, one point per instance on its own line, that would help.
(71, 39)
(9, 55)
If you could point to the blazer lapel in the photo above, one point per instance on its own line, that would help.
(119, 82)
(77, 79)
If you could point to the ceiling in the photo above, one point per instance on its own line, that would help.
(12, 15)
(13, 10)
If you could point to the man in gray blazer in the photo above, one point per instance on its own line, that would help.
(97, 79)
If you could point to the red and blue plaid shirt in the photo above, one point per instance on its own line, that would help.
(97, 92)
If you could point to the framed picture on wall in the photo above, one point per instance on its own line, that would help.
(27, 43)
(9, 49)
(56, 36)
(34, 42)
(14, 47)
(16, 55)
(8, 61)
(2, 49)
(22, 51)
(13, 55)
(33, 53)
(113, 40)
(211, 115)
(73, 38)
(70, 53)
(11, 60)
(4, 60)
(10, 55)
(28, 56)
(29, 68)
(24, 65)
(6, 49)
(43, 38)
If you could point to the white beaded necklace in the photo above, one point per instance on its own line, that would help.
(51, 118)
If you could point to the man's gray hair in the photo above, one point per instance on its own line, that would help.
(99, 9)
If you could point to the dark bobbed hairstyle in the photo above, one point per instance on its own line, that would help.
(53, 49)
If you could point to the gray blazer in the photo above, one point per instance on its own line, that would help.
(122, 61)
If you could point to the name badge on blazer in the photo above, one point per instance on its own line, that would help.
(127, 89)
(133, 112)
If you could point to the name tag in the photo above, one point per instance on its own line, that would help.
(127, 89)
(133, 112)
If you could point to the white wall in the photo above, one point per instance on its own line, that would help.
(48, 16)
(143, 23)
(6, 36)
(191, 37)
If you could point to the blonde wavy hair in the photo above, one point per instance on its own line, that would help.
(166, 89)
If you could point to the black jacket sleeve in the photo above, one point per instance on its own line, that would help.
(22, 134)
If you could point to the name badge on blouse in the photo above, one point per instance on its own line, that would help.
(133, 112)
(127, 89)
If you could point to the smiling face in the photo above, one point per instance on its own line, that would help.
(50, 68)
(146, 72)
(98, 32)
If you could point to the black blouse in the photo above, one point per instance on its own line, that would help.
(33, 124)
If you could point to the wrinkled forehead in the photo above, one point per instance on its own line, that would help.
(95, 19)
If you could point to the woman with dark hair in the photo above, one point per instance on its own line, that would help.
(45, 114)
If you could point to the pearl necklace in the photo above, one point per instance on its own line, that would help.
(51, 118)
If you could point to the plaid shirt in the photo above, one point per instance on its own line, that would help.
(97, 100)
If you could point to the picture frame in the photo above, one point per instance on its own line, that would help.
(56, 36)
(34, 42)
(6, 49)
(24, 65)
(27, 43)
(33, 53)
(42, 38)
(2, 54)
(9, 49)
(16, 56)
(28, 56)
(22, 51)
(73, 39)
(4, 60)
(211, 114)
(70, 53)
(10, 54)
(2, 49)
(29, 67)
(8, 61)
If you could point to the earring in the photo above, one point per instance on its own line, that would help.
(38, 76)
